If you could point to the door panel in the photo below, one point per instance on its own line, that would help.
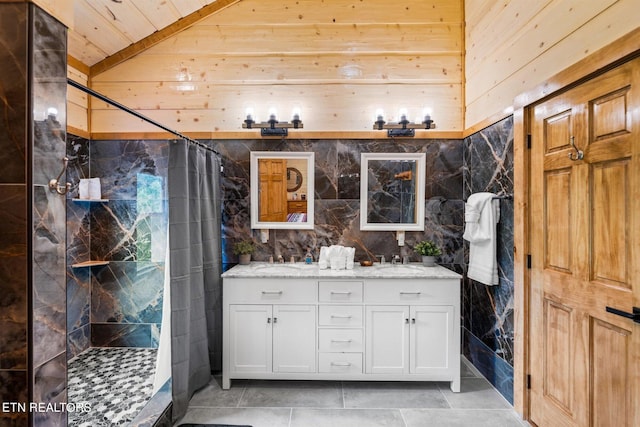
(387, 340)
(431, 328)
(584, 361)
(250, 338)
(294, 338)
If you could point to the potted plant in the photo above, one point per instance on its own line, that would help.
(244, 249)
(429, 252)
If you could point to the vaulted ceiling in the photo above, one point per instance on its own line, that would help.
(103, 28)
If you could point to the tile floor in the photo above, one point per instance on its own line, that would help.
(353, 404)
(116, 382)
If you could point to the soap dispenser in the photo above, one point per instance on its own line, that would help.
(308, 258)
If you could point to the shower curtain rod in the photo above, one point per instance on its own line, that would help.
(135, 113)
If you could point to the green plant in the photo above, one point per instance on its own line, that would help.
(243, 247)
(427, 248)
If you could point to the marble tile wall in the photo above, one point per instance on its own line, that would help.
(120, 304)
(337, 199)
(488, 310)
(13, 210)
(33, 94)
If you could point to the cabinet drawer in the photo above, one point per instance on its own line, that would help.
(265, 291)
(340, 315)
(346, 340)
(418, 291)
(340, 363)
(340, 291)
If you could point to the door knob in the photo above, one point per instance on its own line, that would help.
(635, 315)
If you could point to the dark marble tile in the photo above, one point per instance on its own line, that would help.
(13, 88)
(78, 341)
(49, 275)
(120, 335)
(488, 311)
(13, 388)
(78, 231)
(13, 276)
(118, 164)
(444, 169)
(491, 366)
(49, 147)
(78, 297)
(50, 387)
(128, 292)
(78, 168)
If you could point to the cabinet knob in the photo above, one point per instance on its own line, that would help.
(406, 321)
(268, 319)
(275, 320)
(413, 320)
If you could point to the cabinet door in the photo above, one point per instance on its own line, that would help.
(431, 336)
(250, 338)
(294, 338)
(387, 343)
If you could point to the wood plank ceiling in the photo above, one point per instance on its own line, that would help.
(336, 60)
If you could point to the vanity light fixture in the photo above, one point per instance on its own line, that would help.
(273, 127)
(402, 128)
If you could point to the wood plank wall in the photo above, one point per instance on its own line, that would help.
(337, 61)
(515, 46)
(78, 102)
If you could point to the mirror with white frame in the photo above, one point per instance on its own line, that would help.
(282, 190)
(392, 191)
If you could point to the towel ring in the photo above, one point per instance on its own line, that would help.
(54, 183)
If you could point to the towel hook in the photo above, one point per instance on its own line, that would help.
(579, 153)
(53, 184)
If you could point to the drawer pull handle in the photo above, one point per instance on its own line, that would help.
(341, 316)
(345, 364)
(271, 292)
(342, 341)
(410, 293)
(341, 292)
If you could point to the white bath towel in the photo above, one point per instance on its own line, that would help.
(482, 213)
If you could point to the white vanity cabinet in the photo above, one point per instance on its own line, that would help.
(360, 325)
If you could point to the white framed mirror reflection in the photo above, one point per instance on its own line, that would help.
(282, 190)
(392, 191)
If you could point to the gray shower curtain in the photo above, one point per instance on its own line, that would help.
(195, 268)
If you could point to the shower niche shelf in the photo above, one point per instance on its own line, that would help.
(89, 264)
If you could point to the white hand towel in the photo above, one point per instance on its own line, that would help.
(482, 213)
(95, 192)
(83, 189)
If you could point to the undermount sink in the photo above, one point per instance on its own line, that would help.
(283, 266)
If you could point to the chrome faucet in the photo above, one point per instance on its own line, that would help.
(280, 259)
(395, 259)
(382, 260)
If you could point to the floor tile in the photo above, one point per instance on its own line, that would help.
(293, 394)
(256, 417)
(461, 418)
(393, 395)
(475, 393)
(467, 370)
(346, 418)
(213, 396)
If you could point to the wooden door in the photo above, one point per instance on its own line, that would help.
(294, 338)
(387, 340)
(272, 175)
(584, 228)
(250, 338)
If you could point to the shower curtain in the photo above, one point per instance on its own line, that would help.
(195, 268)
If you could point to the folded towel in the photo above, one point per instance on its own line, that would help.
(482, 213)
(335, 251)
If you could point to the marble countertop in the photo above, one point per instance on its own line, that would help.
(301, 270)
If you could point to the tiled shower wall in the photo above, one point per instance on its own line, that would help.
(119, 304)
(488, 310)
(32, 239)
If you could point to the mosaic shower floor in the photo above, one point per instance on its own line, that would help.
(116, 382)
